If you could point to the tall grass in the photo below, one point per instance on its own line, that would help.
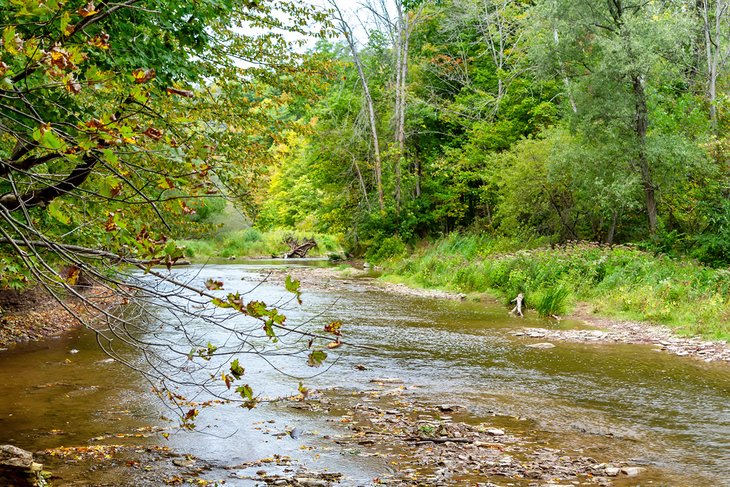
(251, 242)
(621, 281)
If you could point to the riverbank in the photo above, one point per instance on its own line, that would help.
(621, 282)
(597, 329)
(253, 243)
(34, 314)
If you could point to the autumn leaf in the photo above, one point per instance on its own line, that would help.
(101, 41)
(176, 91)
(334, 328)
(88, 10)
(153, 133)
(143, 75)
(213, 285)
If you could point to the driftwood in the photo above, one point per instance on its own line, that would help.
(517, 310)
(297, 249)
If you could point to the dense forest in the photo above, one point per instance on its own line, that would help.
(551, 120)
(536, 121)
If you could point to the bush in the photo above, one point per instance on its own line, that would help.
(551, 301)
(388, 248)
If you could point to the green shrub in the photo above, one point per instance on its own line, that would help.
(388, 248)
(550, 301)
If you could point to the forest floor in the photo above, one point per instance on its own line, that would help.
(604, 329)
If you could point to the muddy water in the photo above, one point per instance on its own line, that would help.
(613, 402)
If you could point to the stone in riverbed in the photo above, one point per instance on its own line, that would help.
(495, 431)
(612, 471)
(309, 482)
(631, 471)
(541, 345)
(17, 467)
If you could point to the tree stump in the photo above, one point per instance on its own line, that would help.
(517, 310)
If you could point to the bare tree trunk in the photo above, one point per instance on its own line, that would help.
(713, 51)
(362, 182)
(347, 31)
(566, 81)
(401, 68)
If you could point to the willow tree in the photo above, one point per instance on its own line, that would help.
(617, 55)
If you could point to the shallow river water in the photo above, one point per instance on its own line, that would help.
(668, 414)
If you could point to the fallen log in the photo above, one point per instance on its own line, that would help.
(297, 249)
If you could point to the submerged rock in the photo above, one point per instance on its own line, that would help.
(543, 345)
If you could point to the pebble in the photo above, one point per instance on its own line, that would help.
(612, 471)
(183, 462)
(541, 345)
(309, 482)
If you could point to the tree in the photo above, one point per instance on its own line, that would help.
(618, 53)
(717, 50)
(113, 118)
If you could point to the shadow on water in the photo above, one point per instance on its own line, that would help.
(620, 401)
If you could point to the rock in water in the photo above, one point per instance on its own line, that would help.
(17, 467)
(631, 471)
(541, 345)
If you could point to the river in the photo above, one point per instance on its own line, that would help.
(668, 414)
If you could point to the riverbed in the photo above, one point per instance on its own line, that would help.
(666, 416)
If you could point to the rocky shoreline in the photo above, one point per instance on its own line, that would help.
(608, 330)
(442, 444)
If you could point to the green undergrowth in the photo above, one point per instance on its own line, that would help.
(621, 281)
(251, 242)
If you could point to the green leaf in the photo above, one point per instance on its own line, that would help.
(292, 285)
(56, 212)
(236, 370)
(316, 358)
(256, 309)
(245, 391)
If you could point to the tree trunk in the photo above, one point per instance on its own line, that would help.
(640, 127)
(345, 29)
(400, 98)
(612, 228)
(713, 52)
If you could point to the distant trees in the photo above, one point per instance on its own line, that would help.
(609, 113)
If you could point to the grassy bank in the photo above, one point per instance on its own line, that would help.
(251, 242)
(621, 282)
